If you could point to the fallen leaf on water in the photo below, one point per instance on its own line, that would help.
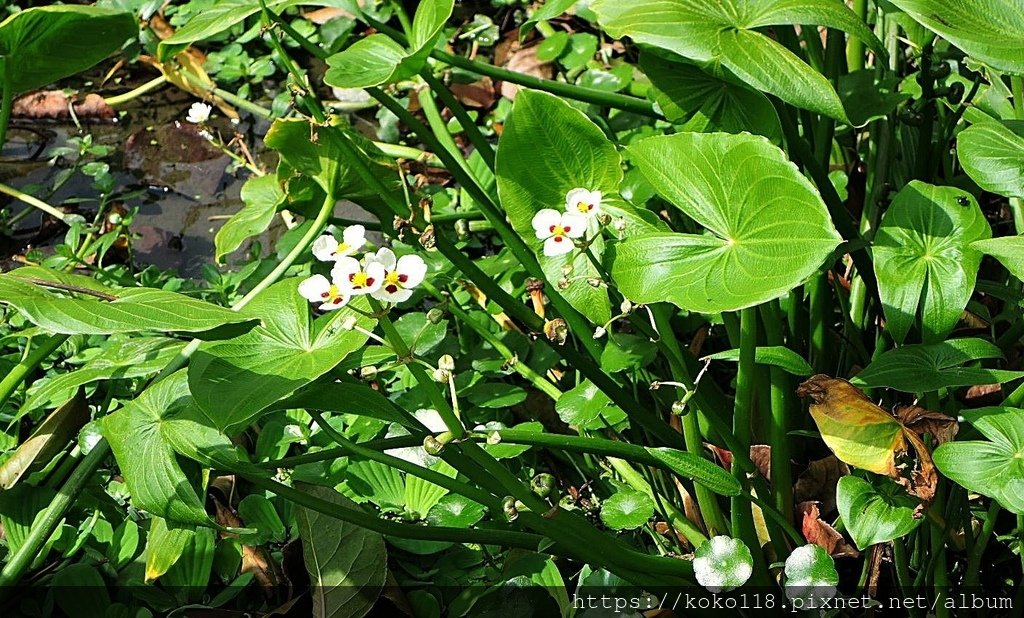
(819, 532)
(865, 436)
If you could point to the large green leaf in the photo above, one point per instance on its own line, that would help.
(929, 367)
(47, 440)
(993, 156)
(147, 436)
(990, 30)
(1009, 250)
(326, 161)
(548, 148)
(724, 31)
(116, 310)
(347, 564)
(261, 196)
(235, 380)
(993, 467)
(377, 59)
(121, 358)
(41, 45)
(923, 257)
(875, 514)
(165, 542)
(213, 20)
(769, 229)
(706, 101)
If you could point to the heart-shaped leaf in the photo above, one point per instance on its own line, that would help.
(769, 229)
(725, 32)
(875, 514)
(586, 407)
(990, 30)
(1009, 250)
(347, 564)
(994, 467)
(41, 45)
(149, 433)
(993, 156)
(722, 563)
(929, 367)
(377, 60)
(923, 257)
(236, 379)
(262, 195)
(705, 101)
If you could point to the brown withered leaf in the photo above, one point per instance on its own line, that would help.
(821, 533)
(480, 94)
(865, 436)
(48, 439)
(760, 455)
(818, 482)
(515, 57)
(941, 426)
(54, 104)
(981, 395)
(255, 560)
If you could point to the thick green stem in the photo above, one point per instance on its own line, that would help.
(472, 130)
(782, 405)
(135, 93)
(6, 105)
(854, 46)
(44, 525)
(21, 371)
(972, 573)
(33, 202)
(742, 513)
(440, 128)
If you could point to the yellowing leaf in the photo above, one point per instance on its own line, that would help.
(865, 436)
(858, 432)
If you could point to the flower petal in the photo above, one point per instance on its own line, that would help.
(354, 236)
(375, 272)
(574, 225)
(557, 245)
(386, 257)
(343, 270)
(544, 219)
(324, 248)
(414, 269)
(336, 303)
(398, 296)
(314, 288)
(590, 199)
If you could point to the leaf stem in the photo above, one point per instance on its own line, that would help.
(972, 573)
(6, 104)
(19, 372)
(34, 202)
(781, 402)
(477, 138)
(135, 93)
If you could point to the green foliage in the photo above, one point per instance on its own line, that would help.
(875, 513)
(993, 467)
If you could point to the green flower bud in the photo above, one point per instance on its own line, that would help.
(544, 485)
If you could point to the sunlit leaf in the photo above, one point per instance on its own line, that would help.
(929, 367)
(875, 514)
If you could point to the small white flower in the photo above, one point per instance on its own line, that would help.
(328, 249)
(558, 229)
(401, 275)
(318, 289)
(199, 113)
(583, 202)
(599, 332)
(355, 278)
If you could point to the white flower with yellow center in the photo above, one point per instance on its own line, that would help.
(401, 275)
(319, 289)
(355, 278)
(583, 202)
(199, 113)
(557, 229)
(328, 249)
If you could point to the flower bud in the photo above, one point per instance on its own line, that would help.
(556, 330)
(114, 218)
(368, 373)
(544, 485)
(562, 284)
(435, 315)
(594, 282)
(446, 363)
(349, 323)
(599, 332)
(462, 229)
(604, 219)
(508, 506)
(626, 306)
(494, 438)
(679, 407)
(441, 376)
(567, 269)
(432, 446)
(620, 224)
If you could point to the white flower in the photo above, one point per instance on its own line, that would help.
(583, 202)
(558, 229)
(199, 113)
(401, 275)
(328, 249)
(355, 278)
(318, 289)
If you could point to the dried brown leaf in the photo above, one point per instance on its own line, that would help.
(54, 104)
(821, 533)
(818, 482)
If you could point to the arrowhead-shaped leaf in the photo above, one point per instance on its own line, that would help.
(769, 229)
(872, 515)
(235, 380)
(993, 156)
(994, 467)
(929, 367)
(923, 257)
